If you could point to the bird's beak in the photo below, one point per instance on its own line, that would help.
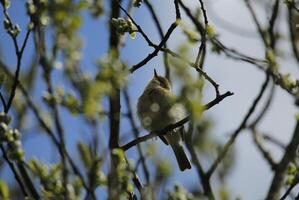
(155, 73)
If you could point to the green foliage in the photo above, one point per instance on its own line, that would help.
(288, 82)
(179, 193)
(11, 137)
(292, 174)
(11, 29)
(224, 193)
(63, 98)
(112, 72)
(202, 140)
(51, 179)
(92, 164)
(123, 173)
(91, 93)
(271, 58)
(124, 26)
(85, 154)
(292, 169)
(3, 131)
(15, 149)
(4, 191)
(62, 19)
(96, 8)
(5, 3)
(37, 12)
(210, 31)
(163, 171)
(191, 85)
(191, 34)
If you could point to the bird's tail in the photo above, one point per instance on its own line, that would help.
(181, 157)
(174, 140)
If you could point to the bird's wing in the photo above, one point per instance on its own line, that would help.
(163, 98)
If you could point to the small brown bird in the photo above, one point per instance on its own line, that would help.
(156, 108)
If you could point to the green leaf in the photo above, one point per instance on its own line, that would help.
(290, 180)
(17, 29)
(4, 192)
(96, 8)
(292, 169)
(5, 4)
(101, 178)
(224, 193)
(210, 31)
(133, 35)
(84, 154)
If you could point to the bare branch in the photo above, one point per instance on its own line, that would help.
(266, 154)
(172, 126)
(136, 134)
(161, 34)
(289, 155)
(232, 139)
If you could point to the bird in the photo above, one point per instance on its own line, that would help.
(157, 108)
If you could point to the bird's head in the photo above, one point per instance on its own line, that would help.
(159, 82)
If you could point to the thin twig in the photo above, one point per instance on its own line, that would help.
(155, 52)
(290, 188)
(272, 21)
(258, 25)
(47, 69)
(137, 26)
(289, 155)
(161, 34)
(48, 130)
(204, 179)
(2, 101)
(266, 107)
(202, 7)
(232, 139)
(230, 52)
(163, 41)
(17, 72)
(273, 140)
(266, 154)
(19, 54)
(292, 34)
(172, 126)
(136, 134)
(14, 170)
(114, 112)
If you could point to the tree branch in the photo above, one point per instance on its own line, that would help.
(232, 139)
(289, 155)
(170, 127)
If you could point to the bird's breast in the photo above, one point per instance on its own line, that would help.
(153, 114)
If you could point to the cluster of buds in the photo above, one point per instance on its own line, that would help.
(124, 26)
(11, 137)
(13, 30)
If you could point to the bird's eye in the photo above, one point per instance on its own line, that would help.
(163, 83)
